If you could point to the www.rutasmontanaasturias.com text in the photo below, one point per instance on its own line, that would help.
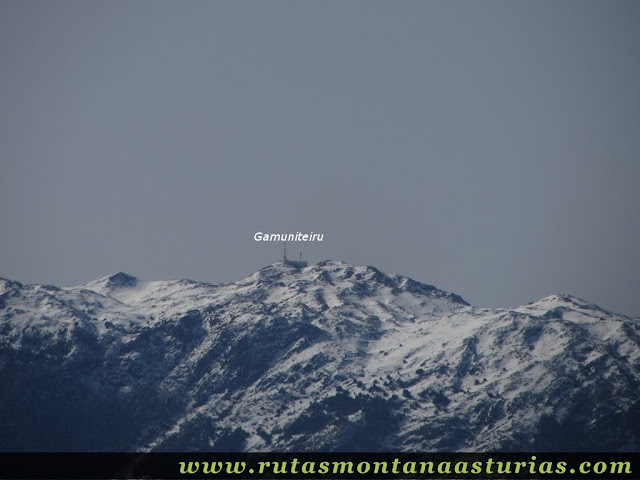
(288, 237)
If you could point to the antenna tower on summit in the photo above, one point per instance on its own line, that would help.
(293, 263)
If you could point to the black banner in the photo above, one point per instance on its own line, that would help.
(246, 466)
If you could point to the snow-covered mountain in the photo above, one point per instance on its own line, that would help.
(328, 357)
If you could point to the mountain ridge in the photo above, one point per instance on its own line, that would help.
(328, 357)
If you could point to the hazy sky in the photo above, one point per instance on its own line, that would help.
(489, 148)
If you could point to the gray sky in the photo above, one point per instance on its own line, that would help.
(489, 148)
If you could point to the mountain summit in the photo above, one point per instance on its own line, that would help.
(327, 357)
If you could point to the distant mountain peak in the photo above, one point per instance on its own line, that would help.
(121, 279)
(558, 302)
(112, 284)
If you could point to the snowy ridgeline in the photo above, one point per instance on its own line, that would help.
(327, 357)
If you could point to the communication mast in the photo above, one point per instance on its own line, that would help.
(293, 263)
